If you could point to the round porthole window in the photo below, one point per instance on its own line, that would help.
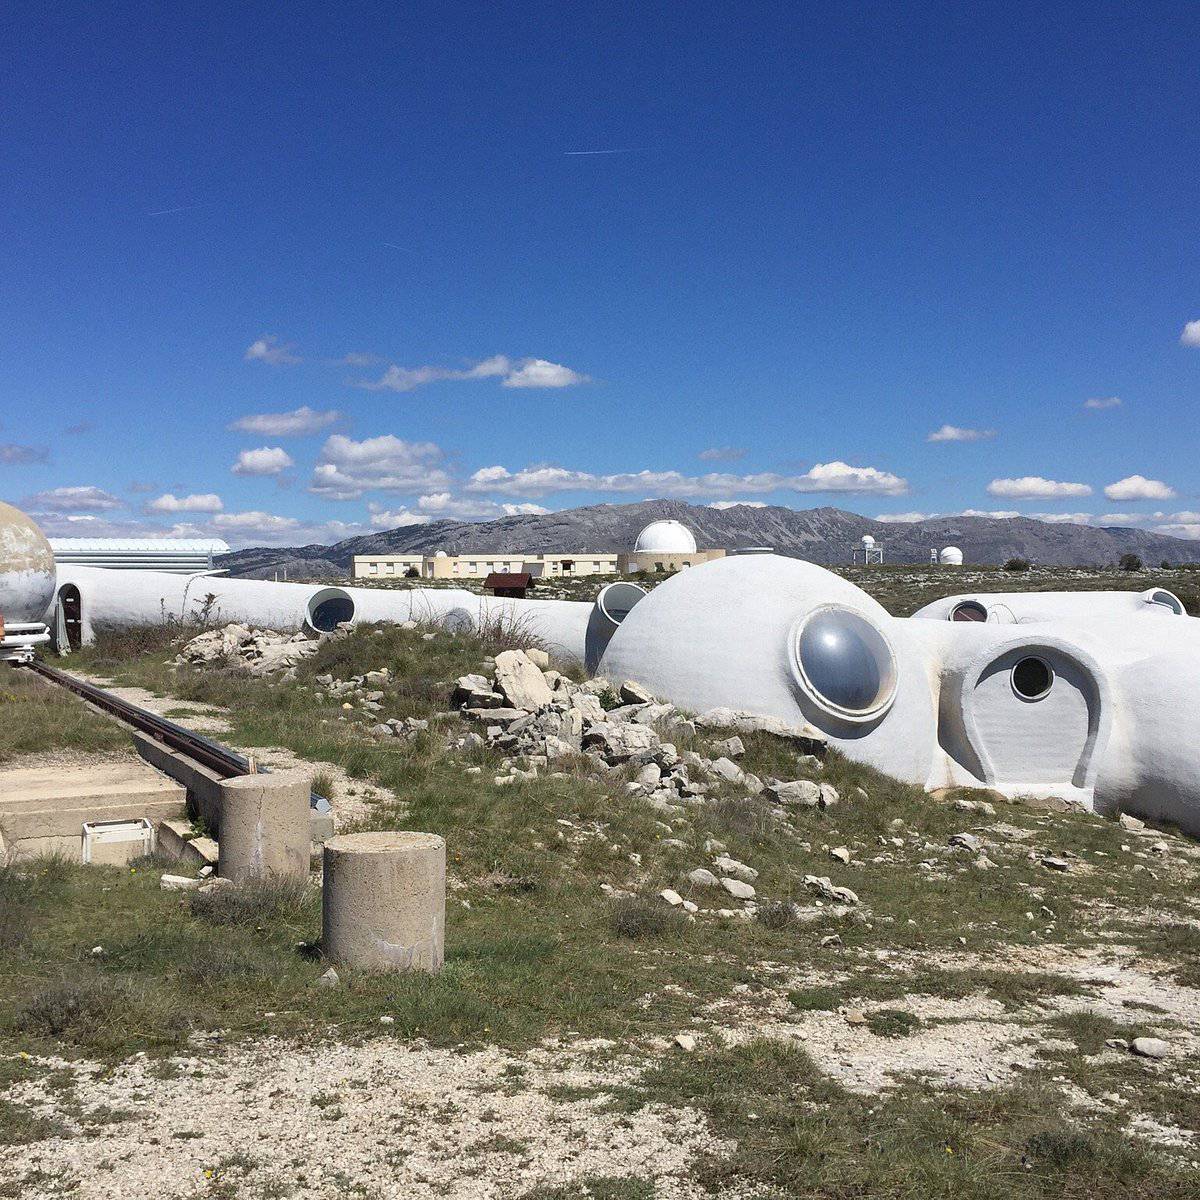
(1032, 678)
(845, 663)
(1165, 599)
(969, 610)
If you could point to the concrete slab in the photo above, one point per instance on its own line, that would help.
(43, 808)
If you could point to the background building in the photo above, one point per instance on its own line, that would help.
(180, 556)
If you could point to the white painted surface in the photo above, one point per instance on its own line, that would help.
(665, 537)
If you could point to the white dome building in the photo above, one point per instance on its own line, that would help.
(27, 576)
(665, 537)
(951, 556)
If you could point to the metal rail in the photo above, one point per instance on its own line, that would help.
(221, 760)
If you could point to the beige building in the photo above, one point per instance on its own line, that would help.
(480, 566)
(660, 561)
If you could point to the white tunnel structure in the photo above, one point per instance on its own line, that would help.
(1086, 696)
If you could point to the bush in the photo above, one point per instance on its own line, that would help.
(1130, 562)
(256, 902)
(776, 914)
(1017, 564)
(633, 917)
(73, 1009)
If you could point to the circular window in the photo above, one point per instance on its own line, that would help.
(616, 600)
(1032, 678)
(969, 610)
(845, 663)
(1164, 599)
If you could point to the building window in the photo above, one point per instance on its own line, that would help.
(1032, 678)
(846, 664)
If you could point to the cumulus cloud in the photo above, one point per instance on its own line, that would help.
(1180, 531)
(954, 433)
(270, 350)
(1191, 334)
(263, 528)
(1034, 487)
(905, 518)
(1138, 487)
(266, 460)
(722, 454)
(208, 502)
(73, 500)
(519, 373)
(833, 477)
(471, 508)
(990, 514)
(347, 468)
(287, 424)
(1099, 403)
(1062, 518)
(724, 504)
(396, 518)
(12, 454)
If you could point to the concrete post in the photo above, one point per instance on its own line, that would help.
(264, 826)
(385, 901)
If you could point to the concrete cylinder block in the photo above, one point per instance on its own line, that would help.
(385, 901)
(264, 826)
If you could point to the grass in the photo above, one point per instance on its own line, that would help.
(36, 717)
(535, 948)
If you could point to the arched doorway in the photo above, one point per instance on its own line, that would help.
(70, 616)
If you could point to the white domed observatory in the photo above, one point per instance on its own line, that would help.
(27, 576)
(951, 556)
(665, 546)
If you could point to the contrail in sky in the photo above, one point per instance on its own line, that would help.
(631, 150)
(162, 212)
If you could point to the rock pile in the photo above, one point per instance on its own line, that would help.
(258, 651)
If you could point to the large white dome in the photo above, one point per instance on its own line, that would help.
(951, 556)
(26, 568)
(665, 537)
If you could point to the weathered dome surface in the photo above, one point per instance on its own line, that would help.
(951, 556)
(665, 537)
(26, 568)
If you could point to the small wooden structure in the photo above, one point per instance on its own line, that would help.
(509, 583)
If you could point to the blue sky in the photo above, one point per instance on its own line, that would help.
(817, 236)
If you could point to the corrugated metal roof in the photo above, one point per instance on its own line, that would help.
(140, 545)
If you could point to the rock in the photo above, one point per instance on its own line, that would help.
(1055, 864)
(493, 716)
(1150, 1047)
(685, 1041)
(382, 731)
(727, 769)
(474, 691)
(1132, 824)
(831, 940)
(840, 854)
(619, 743)
(855, 1016)
(731, 866)
(539, 658)
(797, 793)
(387, 1020)
(329, 980)
(649, 775)
(671, 896)
(968, 841)
(982, 807)
(804, 736)
(824, 887)
(178, 883)
(829, 795)
(737, 889)
(732, 747)
(634, 693)
(520, 682)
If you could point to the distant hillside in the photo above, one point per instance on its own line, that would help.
(823, 535)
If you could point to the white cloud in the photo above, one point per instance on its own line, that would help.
(266, 460)
(1180, 531)
(538, 373)
(991, 515)
(287, 424)
(73, 500)
(522, 373)
(724, 504)
(1122, 518)
(906, 518)
(1138, 487)
(1034, 487)
(460, 508)
(398, 518)
(12, 454)
(1062, 518)
(262, 528)
(269, 349)
(953, 433)
(831, 477)
(1178, 518)
(722, 454)
(347, 468)
(209, 502)
(1191, 334)
(1099, 403)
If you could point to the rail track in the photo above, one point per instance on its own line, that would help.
(221, 760)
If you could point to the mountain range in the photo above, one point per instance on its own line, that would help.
(822, 535)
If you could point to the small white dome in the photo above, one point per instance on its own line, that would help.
(951, 556)
(27, 573)
(665, 537)
(868, 540)
(441, 554)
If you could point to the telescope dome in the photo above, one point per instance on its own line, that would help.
(665, 537)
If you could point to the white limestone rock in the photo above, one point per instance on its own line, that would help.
(520, 681)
